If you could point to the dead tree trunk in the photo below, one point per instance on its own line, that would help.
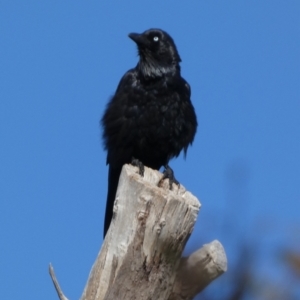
(141, 255)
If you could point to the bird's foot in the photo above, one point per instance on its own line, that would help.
(137, 163)
(168, 174)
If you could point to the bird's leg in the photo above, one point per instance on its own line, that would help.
(137, 163)
(168, 173)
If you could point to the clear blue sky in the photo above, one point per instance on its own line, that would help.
(60, 61)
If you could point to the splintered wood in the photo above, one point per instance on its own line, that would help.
(142, 251)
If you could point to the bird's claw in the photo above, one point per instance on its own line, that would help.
(168, 174)
(137, 163)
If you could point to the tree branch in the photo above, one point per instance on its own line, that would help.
(198, 270)
(60, 294)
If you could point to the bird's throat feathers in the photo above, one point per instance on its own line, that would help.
(150, 68)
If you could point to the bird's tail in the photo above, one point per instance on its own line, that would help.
(113, 180)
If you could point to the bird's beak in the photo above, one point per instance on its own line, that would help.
(137, 38)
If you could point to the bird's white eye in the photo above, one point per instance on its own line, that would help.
(155, 39)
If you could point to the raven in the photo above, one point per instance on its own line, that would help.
(150, 119)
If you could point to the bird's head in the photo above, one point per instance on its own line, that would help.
(157, 51)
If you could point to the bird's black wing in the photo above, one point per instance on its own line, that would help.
(117, 124)
(190, 117)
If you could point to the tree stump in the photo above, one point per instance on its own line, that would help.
(141, 254)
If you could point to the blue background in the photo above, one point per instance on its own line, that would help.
(60, 61)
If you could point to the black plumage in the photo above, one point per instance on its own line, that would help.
(150, 118)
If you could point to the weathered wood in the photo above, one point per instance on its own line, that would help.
(59, 292)
(143, 246)
(141, 255)
(198, 270)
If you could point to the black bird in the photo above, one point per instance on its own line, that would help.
(150, 119)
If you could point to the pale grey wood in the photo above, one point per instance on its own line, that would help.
(143, 246)
(196, 271)
(141, 255)
(60, 294)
